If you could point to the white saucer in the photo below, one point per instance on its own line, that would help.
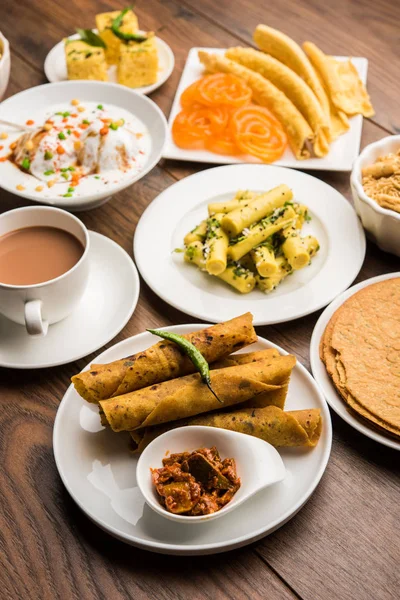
(99, 472)
(55, 67)
(319, 371)
(107, 305)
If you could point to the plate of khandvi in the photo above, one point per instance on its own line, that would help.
(268, 239)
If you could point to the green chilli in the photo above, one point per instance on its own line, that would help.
(192, 352)
(125, 37)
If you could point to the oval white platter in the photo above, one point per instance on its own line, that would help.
(55, 66)
(183, 205)
(98, 471)
(333, 398)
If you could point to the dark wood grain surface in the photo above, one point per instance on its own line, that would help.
(344, 544)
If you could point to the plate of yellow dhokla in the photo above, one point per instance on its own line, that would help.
(116, 51)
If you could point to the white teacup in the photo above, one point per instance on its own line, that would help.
(39, 305)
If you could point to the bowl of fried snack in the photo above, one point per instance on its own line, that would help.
(375, 185)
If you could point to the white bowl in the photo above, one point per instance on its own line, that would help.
(381, 224)
(24, 105)
(258, 464)
(5, 64)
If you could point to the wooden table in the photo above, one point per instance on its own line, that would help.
(344, 544)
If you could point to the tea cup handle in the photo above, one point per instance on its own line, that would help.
(33, 318)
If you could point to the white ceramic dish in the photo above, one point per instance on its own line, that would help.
(106, 306)
(333, 398)
(5, 64)
(342, 152)
(381, 224)
(22, 106)
(55, 66)
(266, 469)
(183, 205)
(98, 471)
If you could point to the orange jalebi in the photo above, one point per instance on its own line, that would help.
(222, 143)
(193, 125)
(217, 116)
(216, 90)
(256, 131)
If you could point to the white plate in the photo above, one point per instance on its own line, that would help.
(98, 471)
(342, 152)
(107, 305)
(333, 398)
(55, 66)
(183, 205)
(90, 193)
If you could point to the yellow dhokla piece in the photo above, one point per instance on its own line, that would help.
(113, 43)
(85, 61)
(138, 63)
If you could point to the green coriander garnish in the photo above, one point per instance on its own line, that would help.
(61, 136)
(97, 176)
(71, 189)
(71, 168)
(67, 195)
(100, 106)
(26, 163)
(65, 175)
(113, 126)
(63, 114)
(85, 122)
(49, 172)
(69, 131)
(48, 155)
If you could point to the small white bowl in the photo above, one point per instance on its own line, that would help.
(28, 103)
(381, 224)
(5, 64)
(258, 464)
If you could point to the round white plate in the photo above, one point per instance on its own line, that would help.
(90, 193)
(333, 398)
(183, 205)
(107, 305)
(55, 66)
(98, 471)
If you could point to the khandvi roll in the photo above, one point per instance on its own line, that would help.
(267, 284)
(264, 260)
(253, 240)
(241, 199)
(262, 205)
(198, 234)
(216, 246)
(294, 249)
(261, 231)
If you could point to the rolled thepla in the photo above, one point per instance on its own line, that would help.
(297, 428)
(188, 396)
(164, 360)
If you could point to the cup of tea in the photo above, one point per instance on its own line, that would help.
(44, 265)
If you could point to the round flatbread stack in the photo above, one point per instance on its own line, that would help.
(361, 351)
